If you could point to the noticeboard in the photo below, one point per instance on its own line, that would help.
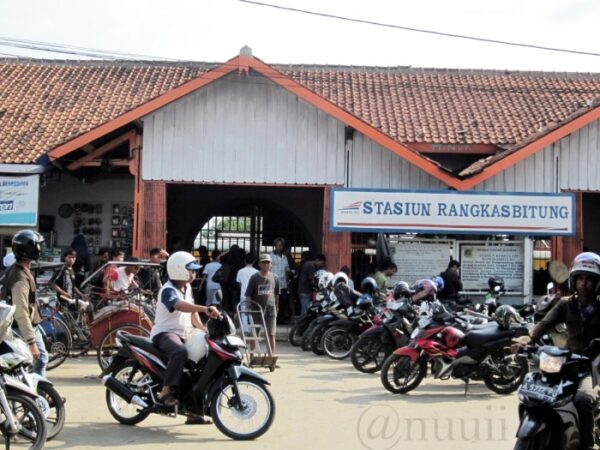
(480, 261)
(417, 259)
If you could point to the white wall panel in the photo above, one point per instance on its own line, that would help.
(573, 160)
(243, 129)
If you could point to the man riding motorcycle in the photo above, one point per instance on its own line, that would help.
(581, 314)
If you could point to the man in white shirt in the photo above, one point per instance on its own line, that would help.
(123, 278)
(211, 287)
(281, 269)
(244, 275)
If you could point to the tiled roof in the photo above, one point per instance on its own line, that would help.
(45, 104)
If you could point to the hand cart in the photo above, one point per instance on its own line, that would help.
(252, 321)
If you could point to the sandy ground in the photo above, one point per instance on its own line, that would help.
(320, 404)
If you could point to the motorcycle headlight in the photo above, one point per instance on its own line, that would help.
(551, 364)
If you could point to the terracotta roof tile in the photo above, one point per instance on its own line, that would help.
(44, 104)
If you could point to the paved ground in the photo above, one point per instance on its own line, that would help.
(321, 404)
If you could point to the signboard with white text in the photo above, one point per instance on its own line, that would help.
(452, 212)
(19, 200)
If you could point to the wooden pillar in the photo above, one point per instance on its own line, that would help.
(336, 244)
(566, 248)
(150, 209)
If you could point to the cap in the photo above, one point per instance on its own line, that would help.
(265, 257)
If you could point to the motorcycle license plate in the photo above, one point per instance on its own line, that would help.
(539, 392)
(324, 303)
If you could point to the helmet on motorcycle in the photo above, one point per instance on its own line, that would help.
(196, 345)
(369, 286)
(322, 279)
(339, 277)
(401, 289)
(496, 281)
(452, 336)
(221, 326)
(505, 315)
(424, 290)
(439, 283)
(27, 244)
(586, 263)
(178, 265)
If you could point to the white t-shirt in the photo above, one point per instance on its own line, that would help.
(123, 280)
(209, 271)
(243, 276)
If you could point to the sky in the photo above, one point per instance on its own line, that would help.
(216, 30)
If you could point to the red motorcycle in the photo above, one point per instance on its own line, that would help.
(481, 354)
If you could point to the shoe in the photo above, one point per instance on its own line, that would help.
(197, 420)
(169, 401)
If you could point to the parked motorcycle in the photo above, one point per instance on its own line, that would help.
(548, 417)
(215, 383)
(23, 424)
(481, 354)
(340, 336)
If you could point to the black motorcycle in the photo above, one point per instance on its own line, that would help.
(217, 385)
(379, 341)
(303, 323)
(548, 417)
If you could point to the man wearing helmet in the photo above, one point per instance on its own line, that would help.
(176, 313)
(581, 314)
(21, 291)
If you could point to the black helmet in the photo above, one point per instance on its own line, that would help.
(496, 281)
(369, 286)
(27, 244)
(401, 289)
(220, 327)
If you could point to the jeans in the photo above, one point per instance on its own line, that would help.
(304, 302)
(585, 400)
(40, 364)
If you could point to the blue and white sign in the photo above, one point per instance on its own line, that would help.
(451, 212)
(19, 200)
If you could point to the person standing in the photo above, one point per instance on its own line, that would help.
(63, 280)
(244, 275)
(151, 278)
(305, 281)
(263, 288)
(20, 291)
(212, 287)
(281, 269)
(452, 283)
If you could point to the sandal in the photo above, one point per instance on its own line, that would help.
(197, 420)
(169, 401)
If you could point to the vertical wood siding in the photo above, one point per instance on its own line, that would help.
(570, 164)
(374, 166)
(243, 129)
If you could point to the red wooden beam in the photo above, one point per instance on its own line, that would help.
(95, 154)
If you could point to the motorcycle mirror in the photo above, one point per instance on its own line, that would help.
(549, 287)
(558, 271)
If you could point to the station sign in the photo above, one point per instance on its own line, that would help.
(451, 212)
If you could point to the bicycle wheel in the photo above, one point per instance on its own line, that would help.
(109, 346)
(58, 340)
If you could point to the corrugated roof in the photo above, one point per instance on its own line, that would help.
(44, 104)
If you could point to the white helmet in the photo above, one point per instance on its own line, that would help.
(324, 280)
(178, 265)
(196, 345)
(340, 276)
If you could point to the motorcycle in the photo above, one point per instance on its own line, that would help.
(548, 417)
(214, 383)
(378, 342)
(481, 354)
(23, 424)
(335, 310)
(299, 329)
(340, 336)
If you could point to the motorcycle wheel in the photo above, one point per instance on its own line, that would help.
(315, 338)
(369, 353)
(297, 332)
(32, 435)
(231, 420)
(130, 375)
(400, 375)
(58, 340)
(542, 441)
(306, 336)
(337, 342)
(503, 378)
(53, 408)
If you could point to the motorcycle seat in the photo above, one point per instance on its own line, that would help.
(144, 343)
(488, 334)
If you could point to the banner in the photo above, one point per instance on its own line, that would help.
(451, 212)
(479, 262)
(19, 200)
